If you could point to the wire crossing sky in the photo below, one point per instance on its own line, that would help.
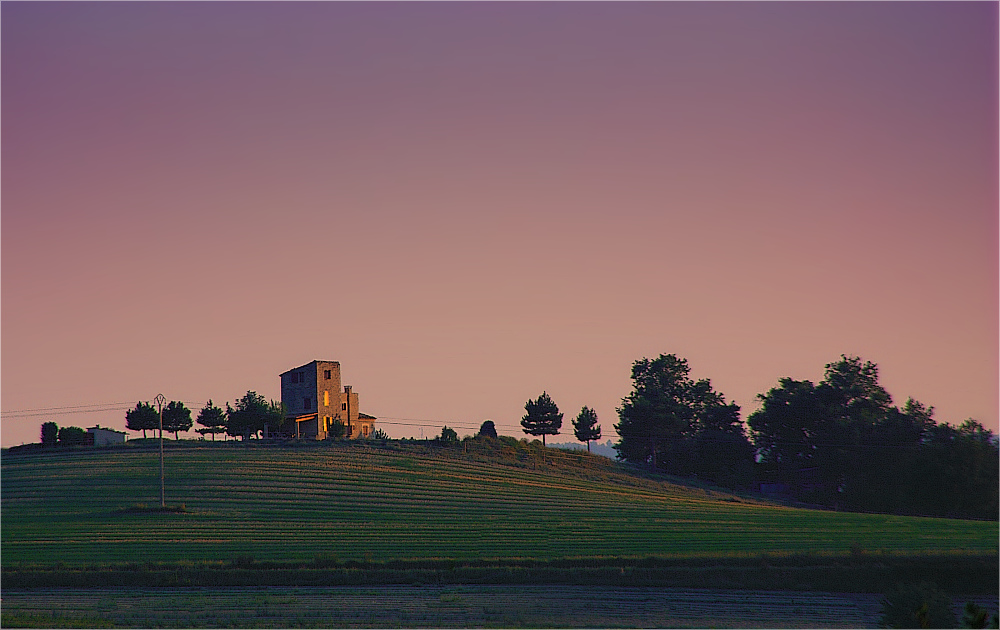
(467, 204)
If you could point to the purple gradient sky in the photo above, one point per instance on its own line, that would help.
(467, 204)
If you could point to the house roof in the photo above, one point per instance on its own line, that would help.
(337, 363)
(365, 416)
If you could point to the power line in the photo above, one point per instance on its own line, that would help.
(10, 415)
(110, 404)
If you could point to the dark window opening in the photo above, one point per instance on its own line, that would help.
(343, 406)
(306, 403)
(327, 375)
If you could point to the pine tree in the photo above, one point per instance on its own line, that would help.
(543, 417)
(212, 418)
(585, 426)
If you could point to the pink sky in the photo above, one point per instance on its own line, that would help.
(468, 203)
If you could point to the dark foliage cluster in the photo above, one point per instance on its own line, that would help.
(145, 417)
(924, 605)
(253, 415)
(843, 444)
(488, 429)
(839, 444)
(53, 435)
(249, 416)
(682, 426)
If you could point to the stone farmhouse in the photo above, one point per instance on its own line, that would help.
(315, 400)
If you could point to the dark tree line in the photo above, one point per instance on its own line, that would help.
(54, 435)
(843, 444)
(248, 417)
(840, 443)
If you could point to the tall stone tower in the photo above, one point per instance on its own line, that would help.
(315, 400)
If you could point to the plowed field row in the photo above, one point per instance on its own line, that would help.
(289, 504)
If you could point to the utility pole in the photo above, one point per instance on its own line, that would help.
(160, 399)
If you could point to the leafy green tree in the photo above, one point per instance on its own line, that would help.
(543, 417)
(682, 426)
(250, 414)
(657, 415)
(176, 418)
(50, 433)
(957, 471)
(785, 427)
(212, 418)
(72, 436)
(488, 429)
(143, 417)
(585, 427)
(843, 444)
(448, 435)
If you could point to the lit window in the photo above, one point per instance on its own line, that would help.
(326, 398)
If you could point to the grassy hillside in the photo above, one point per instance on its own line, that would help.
(409, 501)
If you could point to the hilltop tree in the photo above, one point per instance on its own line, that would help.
(143, 417)
(843, 444)
(50, 433)
(658, 414)
(681, 425)
(176, 418)
(585, 426)
(488, 429)
(251, 414)
(212, 418)
(543, 417)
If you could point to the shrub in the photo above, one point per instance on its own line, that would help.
(917, 606)
(72, 436)
(488, 429)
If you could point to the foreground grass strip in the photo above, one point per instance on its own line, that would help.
(859, 573)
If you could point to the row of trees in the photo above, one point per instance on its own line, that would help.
(543, 418)
(53, 435)
(249, 416)
(840, 443)
(843, 443)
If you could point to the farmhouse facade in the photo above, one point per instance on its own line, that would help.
(315, 401)
(102, 436)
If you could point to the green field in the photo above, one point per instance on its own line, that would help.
(410, 501)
